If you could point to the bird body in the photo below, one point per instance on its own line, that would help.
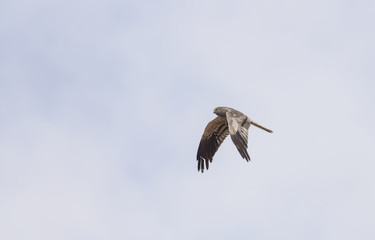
(228, 121)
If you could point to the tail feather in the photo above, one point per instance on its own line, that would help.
(261, 127)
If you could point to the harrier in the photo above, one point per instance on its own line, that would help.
(228, 121)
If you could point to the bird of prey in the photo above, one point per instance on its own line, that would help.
(228, 121)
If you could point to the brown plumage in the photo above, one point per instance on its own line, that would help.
(228, 121)
(214, 134)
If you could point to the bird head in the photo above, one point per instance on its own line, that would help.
(220, 111)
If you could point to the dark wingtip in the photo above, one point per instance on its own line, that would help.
(247, 156)
(200, 164)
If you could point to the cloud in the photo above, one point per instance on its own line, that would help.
(103, 105)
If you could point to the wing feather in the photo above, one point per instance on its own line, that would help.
(213, 136)
(238, 125)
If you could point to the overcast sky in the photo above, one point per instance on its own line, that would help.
(103, 103)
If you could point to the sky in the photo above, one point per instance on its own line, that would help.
(103, 104)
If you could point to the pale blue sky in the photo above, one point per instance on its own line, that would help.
(103, 104)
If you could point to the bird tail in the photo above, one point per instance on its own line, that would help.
(260, 126)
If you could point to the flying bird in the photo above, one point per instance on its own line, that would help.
(228, 121)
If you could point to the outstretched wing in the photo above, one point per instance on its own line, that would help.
(213, 135)
(238, 125)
